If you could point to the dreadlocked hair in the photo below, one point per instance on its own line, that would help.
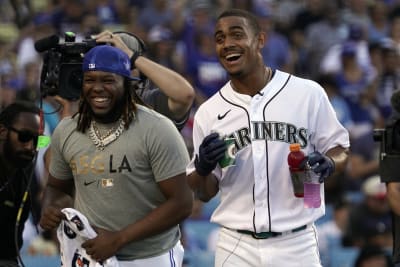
(128, 114)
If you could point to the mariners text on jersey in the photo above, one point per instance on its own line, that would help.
(270, 131)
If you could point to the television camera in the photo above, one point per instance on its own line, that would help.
(62, 65)
(389, 138)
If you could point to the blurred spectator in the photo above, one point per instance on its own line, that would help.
(8, 69)
(356, 12)
(243, 4)
(332, 60)
(308, 14)
(312, 12)
(203, 68)
(330, 233)
(41, 26)
(106, 11)
(393, 196)
(341, 107)
(373, 256)
(68, 16)
(90, 25)
(363, 161)
(379, 24)
(30, 91)
(161, 48)
(23, 12)
(276, 51)
(335, 187)
(333, 31)
(355, 85)
(8, 90)
(157, 12)
(370, 221)
(388, 80)
(394, 33)
(188, 25)
(285, 13)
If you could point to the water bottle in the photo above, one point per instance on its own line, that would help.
(312, 188)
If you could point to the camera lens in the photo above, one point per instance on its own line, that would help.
(71, 81)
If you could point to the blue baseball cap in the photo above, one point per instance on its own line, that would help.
(109, 59)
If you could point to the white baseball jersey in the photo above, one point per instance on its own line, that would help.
(71, 233)
(256, 193)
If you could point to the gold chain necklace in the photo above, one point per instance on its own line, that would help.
(101, 141)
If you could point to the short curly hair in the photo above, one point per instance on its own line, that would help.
(10, 113)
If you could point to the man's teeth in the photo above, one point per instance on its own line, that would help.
(232, 56)
(101, 99)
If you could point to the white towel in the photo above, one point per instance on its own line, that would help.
(71, 233)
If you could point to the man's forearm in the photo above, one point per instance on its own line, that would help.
(339, 155)
(178, 90)
(205, 188)
(55, 197)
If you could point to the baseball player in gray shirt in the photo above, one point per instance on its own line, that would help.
(122, 174)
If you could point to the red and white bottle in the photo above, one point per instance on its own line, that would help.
(297, 172)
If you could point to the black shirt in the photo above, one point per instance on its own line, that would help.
(10, 201)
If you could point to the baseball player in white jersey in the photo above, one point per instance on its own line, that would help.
(264, 110)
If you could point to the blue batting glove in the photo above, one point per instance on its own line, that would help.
(211, 150)
(321, 164)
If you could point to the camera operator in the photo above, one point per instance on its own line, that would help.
(61, 75)
(390, 170)
(174, 95)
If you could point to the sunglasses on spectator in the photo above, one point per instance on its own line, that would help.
(25, 136)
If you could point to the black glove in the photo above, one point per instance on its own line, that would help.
(211, 150)
(321, 164)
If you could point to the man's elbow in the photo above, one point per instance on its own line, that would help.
(188, 96)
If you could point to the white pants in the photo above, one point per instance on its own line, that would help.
(172, 258)
(297, 249)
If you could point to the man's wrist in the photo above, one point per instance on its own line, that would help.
(133, 58)
(200, 169)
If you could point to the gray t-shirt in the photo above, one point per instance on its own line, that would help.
(118, 186)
